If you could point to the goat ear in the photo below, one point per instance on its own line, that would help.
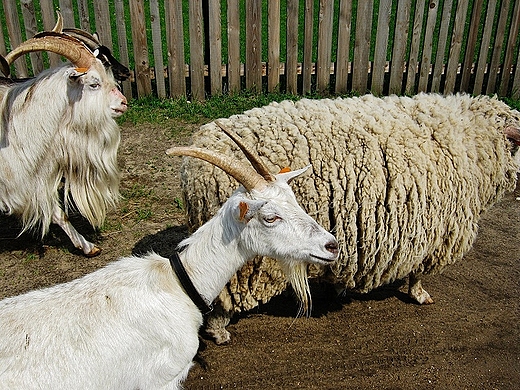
(247, 208)
(287, 175)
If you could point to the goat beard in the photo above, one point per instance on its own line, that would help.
(296, 273)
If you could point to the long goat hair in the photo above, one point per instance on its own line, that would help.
(60, 125)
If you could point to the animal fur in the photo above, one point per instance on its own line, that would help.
(400, 181)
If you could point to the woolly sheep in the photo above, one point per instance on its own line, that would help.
(134, 324)
(400, 181)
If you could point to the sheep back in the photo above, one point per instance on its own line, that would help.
(400, 181)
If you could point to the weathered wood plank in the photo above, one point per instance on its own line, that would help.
(140, 45)
(291, 65)
(196, 50)
(426, 59)
(480, 71)
(399, 48)
(233, 30)
(411, 73)
(215, 48)
(362, 47)
(155, 22)
(254, 45)
(175, 42)
(308, 37)
(324, 46)
(273, 49)
(380, 50)
(456, 46)
(343, 48)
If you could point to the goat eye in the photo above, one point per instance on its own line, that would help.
(95, 85)
(271, 219)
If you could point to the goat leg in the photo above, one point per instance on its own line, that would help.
(60, 218)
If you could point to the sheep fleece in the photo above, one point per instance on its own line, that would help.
(401, 182)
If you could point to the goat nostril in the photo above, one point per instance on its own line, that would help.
(332, 247)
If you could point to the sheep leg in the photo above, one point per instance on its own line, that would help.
(216, 324)
(60, 218)
(416, 291)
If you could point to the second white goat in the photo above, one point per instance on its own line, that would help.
(134, 324)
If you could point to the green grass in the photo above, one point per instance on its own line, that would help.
(155, 110)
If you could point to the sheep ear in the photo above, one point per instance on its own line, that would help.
(248, 208)
(287, 175)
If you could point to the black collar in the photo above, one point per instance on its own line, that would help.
(187, 285)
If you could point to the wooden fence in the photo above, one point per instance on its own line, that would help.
(330, 46)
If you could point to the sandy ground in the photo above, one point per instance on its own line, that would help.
(468, 339)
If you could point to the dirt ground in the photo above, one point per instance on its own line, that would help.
(468, 339)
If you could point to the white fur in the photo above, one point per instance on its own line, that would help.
(60, 125)
(130, 325)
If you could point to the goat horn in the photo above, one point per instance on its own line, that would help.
(71, 48)
(253, 158)
(58, 28)
(243, 173)
(88, 39)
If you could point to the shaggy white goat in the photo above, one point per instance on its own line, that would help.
(401, 181)
(60, 125)
(132, 325)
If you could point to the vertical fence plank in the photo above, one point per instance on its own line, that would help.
(273, 49)
(215, 48)
(484, 48)
(49, 20)
(155, 22)
(254, 45)
(343, 48)
(233, 35)
(399, 49)
(441, 46)
(102, 19)
(414, 47)
(380, 50)
(362, 46)
(122, 43)
(456, 46)
(508, 57)
(3, 50)
(497, 48)
(233, 30)
(308, 45)
(67, 12)
(426, 59)
(196, 50)
(29, 20)
(84, 18)
(15, 34)
(471, 44)
(324, 45)
(291, 64)
(142, 65)
(175, 42)
(515, 91)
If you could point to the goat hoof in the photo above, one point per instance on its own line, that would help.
(93, 252)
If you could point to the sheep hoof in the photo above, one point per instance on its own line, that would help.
(221, 336)
(417, 292)
(93, 252)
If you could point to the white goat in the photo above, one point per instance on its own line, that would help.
(132, 324)
(58, 125)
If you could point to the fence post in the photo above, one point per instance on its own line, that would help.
(273, 49)
(324, 45)
(142, 65)
(380, 51)
(254, 45)
(175, 42)
(343, 49)
(196, 50)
